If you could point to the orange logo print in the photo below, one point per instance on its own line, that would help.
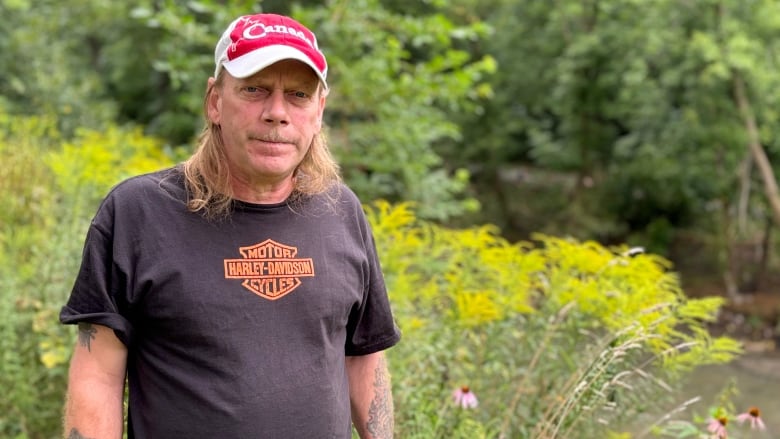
(269, 269)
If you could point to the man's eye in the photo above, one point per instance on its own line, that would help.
(255, 90)
(300, 94)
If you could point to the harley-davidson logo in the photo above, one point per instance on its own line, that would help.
(269, 269)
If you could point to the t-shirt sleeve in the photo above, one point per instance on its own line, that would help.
(371, 327)
(100, 283)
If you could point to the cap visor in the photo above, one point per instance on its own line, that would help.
(251, 63)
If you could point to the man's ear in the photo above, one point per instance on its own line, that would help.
(213, 101)
(321, 108)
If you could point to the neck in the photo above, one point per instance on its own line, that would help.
(262, 193)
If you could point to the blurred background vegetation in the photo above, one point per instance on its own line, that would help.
(645, 123)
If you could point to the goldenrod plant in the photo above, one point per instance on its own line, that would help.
(549, 338)
(49, 190)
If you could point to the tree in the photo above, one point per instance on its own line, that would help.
(49, 63)
(629, 115)
(396, 81)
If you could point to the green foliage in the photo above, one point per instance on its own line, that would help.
(396, 80)
(634, 100)
(49, 188)
(555, 336)
(98, 61)
(176, 41)
(49, 60)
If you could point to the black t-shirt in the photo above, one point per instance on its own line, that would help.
(235, 328)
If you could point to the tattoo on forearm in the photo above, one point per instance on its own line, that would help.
(86, 335)
(380, 412)
(74, 434)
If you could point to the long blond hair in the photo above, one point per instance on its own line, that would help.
(207, 176)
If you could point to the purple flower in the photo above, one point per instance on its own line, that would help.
(465, 398)
(754, 416)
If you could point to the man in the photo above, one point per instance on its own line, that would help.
(239, 293)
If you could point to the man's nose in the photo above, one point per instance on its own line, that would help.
(275, 111)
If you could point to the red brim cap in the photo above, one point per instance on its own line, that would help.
(254, 42)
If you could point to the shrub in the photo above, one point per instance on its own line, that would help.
(557, 338)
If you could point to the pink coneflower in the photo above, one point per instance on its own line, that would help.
(465, 398)
(754, 416)
(717, 426)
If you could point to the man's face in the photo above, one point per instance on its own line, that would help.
(267, 121)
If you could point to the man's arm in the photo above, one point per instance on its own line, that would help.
(93, 408)
(370, 396)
